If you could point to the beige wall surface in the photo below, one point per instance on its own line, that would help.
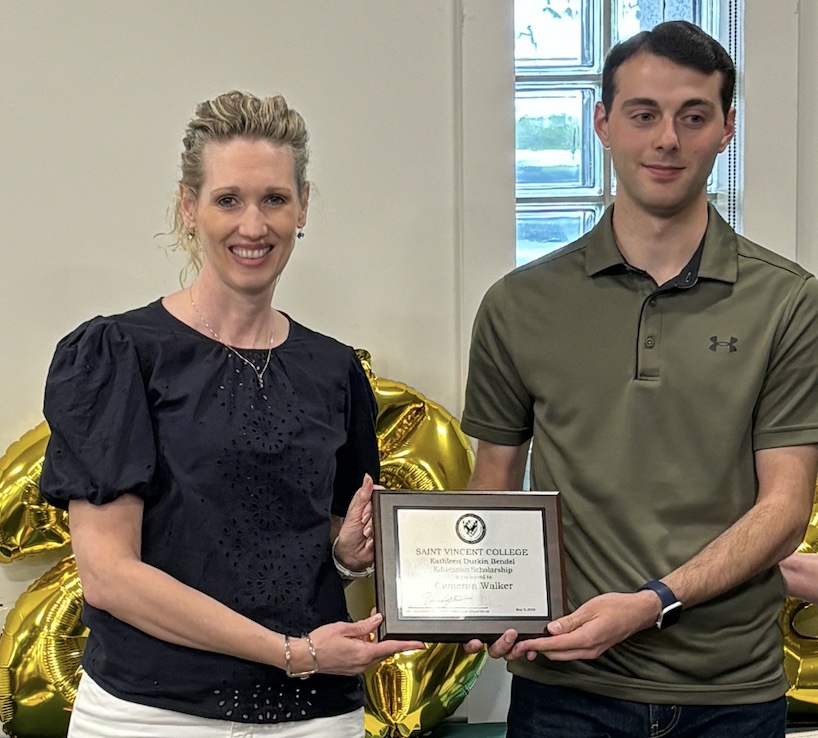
(95, 98)
(95, 95)
(410, 107)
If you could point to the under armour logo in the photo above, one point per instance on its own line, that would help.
(730, 345)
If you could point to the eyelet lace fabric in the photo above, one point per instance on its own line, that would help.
(238, 485)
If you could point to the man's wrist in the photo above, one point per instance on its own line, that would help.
(670, 608)
(653, 605)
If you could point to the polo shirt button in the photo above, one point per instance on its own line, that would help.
(652, 302)
(650, 342)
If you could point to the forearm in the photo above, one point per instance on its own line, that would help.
(156, 603)
(499, 467)
(765, 534)
(753, 544)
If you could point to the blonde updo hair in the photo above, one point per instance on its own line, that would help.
(234, 115)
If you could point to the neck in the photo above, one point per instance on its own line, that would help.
(238, 319)
(661, 246)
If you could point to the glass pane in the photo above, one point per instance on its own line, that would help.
(556, 145)
(556, 36)
(544, 228)
(632, 16)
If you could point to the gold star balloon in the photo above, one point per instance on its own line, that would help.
(29, 524)
(40, 651)
(799, 624)
(421, 447)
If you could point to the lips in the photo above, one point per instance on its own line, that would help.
(244, 252)
(663, 170)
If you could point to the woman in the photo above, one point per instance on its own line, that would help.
(206, 446)
(800, 572)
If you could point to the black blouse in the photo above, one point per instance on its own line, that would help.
(238, 483)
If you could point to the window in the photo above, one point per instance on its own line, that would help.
(564, 179)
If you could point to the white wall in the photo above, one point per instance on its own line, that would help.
(95, 96)
(411, 115)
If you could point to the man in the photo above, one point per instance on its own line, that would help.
(667, 372)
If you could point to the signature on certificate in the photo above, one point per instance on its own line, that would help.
(445, 598)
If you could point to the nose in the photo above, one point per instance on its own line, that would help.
(666, 136)
(252, 225)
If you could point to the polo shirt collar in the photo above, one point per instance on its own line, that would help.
(717, 256)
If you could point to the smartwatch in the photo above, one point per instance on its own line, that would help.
(671, 607)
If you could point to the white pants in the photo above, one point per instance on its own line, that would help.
(98, 714)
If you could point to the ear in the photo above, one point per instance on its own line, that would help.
(601, 124)
(188, 206)
(305, 201)
(729, 129)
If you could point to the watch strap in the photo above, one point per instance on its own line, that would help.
(671, 606)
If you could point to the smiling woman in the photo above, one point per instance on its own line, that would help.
(209, 449)
(242, 200)
(246, 215)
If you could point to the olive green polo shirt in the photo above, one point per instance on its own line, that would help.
(645, 405)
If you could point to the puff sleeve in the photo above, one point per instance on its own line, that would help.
(359, 455)
(102, 441)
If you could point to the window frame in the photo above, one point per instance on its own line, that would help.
(727, 180)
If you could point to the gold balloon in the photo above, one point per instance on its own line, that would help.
(421, 447)
(412, 692)
(30, 525)
(40, 651)
(799, 624)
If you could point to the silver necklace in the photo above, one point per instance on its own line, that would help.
(258, 372)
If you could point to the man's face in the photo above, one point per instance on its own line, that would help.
(665, 129)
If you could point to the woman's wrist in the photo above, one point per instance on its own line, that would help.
(293, 661)
(345, 571)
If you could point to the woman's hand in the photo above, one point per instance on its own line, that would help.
(355, 548)
(347, 648)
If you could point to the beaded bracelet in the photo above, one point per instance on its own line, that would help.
(288, 655)
(348, 573)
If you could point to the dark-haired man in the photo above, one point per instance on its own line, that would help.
(667, 371)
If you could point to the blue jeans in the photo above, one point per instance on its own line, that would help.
(543, 711)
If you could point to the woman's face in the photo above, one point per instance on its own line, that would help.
(247, 213)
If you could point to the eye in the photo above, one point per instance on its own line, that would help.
(276, 199)
(695, 119)
(643, 117)
(226, 201)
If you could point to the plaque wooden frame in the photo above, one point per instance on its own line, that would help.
(386, 503)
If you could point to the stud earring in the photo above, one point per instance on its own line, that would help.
(300, 234)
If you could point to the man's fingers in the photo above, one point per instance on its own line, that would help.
(503, 644)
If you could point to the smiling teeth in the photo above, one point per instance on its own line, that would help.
(251, 253)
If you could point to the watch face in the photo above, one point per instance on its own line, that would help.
(669, 616)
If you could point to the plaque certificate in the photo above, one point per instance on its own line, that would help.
(451, 566)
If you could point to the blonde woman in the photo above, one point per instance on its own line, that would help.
(209, 448)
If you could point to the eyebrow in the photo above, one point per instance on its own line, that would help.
(273, 189)
(647, 102)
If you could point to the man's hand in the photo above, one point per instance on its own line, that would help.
(496, 650)
(593, 628)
